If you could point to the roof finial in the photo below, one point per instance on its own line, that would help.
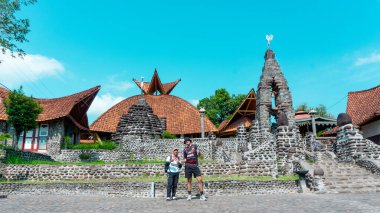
(142, 85)
(269, 39)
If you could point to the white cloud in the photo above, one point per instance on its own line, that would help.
(113, 84)
(194, 102)
(30, 68)
(120, 85)
(373, 58)
(102, 103)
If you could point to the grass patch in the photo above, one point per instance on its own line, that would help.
(162, 179)
(309, 159)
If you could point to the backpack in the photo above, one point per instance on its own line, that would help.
(166, 167)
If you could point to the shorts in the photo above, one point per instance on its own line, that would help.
(192, 170)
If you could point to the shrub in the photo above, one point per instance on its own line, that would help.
(4, 136)
(131, 156)
(66, 142)
(109, 145)
(13, 158)
(168, 135)
(84, 156)
(2, 146)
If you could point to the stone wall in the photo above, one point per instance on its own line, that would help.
(143, 189)
(371, 165)
(351, 145)
(159, 149)
(221, 150)
(28, 156)
(117, 171)
(72, 155)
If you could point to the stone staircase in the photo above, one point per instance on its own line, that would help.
(343, 177)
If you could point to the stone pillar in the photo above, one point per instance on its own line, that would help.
(202, 113)
(319, 180)
(288, 148)
(211, 136)
(312, 114)
(350, 143)
(241, 135)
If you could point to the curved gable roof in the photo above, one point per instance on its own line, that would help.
(364, 105)
(59, 107)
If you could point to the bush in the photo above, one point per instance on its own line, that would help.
(13, 158)
(2, 146)
(4, 136)
(168, 135)
(84, 156)
(109, 145)
(66, 142)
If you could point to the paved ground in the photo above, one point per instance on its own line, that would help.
(358, 202)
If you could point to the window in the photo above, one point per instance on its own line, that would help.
(34, 139)
(43, 134)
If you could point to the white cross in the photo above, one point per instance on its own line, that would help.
(269, 39)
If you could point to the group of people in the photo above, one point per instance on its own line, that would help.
(173, 167)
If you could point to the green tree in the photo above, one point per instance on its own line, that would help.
(13, 30)
(303, 107)
(321, 110)
(221, 105)
(22, 111)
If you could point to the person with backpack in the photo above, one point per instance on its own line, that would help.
(172, 168)
(190, 157)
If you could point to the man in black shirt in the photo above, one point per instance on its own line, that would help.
(190, 155)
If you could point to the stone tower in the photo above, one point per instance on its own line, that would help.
(140, 121)
(273, 85)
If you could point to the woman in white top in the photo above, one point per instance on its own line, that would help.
(173, 165)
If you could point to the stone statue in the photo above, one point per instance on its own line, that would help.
(343, 119)
(282, 119)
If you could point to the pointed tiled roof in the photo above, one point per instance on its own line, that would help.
(363, 106)
(155, 85)
(181, 116)
(73, 106)
(244, 113)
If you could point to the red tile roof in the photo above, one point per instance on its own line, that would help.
(181, 116)
(331, 132)
(364, 105)
(301, 115)
(58, 107)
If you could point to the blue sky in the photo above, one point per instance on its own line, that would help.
(325, 48)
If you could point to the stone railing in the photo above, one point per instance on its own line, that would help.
(147, 189)
(117, 171)
(351, 145)
(371, 165)
(314, 179)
